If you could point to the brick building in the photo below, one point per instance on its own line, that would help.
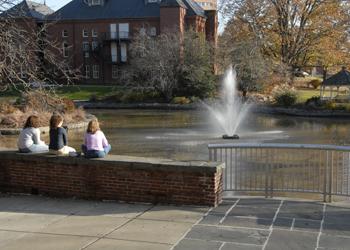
(95, 34)
(28, 16)
(207, 4)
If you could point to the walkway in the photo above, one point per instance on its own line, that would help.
(252, 224)
(32, 222)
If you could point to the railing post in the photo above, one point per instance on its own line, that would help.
(272, 172)
(330, 179)
(267, 177)
(325, 173)
(215, 154)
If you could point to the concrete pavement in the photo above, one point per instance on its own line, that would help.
(34, 222)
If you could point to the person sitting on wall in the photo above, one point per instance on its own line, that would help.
(95, 143)
(58, 137)
(29, 138)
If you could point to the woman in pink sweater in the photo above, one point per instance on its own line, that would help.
(95, 142)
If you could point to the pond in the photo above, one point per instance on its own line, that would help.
(184, 135)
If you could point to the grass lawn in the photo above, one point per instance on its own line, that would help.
(78, 92)
(304, 94)
(74, 92)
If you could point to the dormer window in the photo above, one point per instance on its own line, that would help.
(64, 33)
(94, 2)
(85, 33)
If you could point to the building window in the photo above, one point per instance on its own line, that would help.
(86, 46)
(124, 30)
(64, 33)
(153, 31)
(114, 71)
(65, 49)
(123, 52)
(94, 45)
(87, 71)
(96, 2)
(86, 54)
(96, 71)
(142, 31)
(94, 33)
(85, 33)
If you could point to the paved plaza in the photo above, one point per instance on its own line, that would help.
(34, 222)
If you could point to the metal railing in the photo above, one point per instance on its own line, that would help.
(273, 167)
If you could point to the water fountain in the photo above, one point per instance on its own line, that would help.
(231, 110)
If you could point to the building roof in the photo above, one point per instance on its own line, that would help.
(28, 9)
(78, 10)
(342, 78)
(173, 3)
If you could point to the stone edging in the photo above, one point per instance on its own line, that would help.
(161, 106)
(300, 112)
(258, 108)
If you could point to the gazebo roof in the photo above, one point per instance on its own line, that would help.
(342, 78)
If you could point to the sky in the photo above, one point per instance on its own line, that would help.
(54, 4)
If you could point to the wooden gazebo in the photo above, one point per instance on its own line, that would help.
(342, 78)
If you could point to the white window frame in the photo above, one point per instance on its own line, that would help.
(64, 33)
(94, 33)
(96, 2)
(153, 31)
(87, 72)
(86, 46)
(96, 71)
(115, 71)
(123, 52)
(94, 45)
(85, 33)
(124, 29)
(65, 49)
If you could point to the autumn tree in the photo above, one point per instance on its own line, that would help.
(293, 32)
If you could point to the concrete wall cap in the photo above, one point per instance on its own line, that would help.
(117, 161)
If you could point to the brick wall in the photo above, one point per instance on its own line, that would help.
(122, 178)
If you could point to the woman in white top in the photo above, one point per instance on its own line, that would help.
(29, 138)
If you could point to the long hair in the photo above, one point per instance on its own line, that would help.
(55, 121)
(32, 122)
(93, 126)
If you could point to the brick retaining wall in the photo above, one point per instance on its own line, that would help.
(122, 178)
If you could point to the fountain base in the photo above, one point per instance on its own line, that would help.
(230, 137)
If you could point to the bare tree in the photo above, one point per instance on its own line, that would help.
(173, 63)
(27, 54)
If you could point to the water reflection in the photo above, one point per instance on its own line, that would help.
(184, 135)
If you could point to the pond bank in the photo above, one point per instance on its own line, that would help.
(265, 109)
(258, 108)
(43, 130)
(161, 106)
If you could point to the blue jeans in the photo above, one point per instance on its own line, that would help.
(96, 153)
(35, 148)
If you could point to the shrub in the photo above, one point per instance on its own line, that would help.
(69, 105)
(6, 108)
(315, 83)
(314, 101)
(181, 100)
(93, 98)
(286, 98)
(331, 105)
